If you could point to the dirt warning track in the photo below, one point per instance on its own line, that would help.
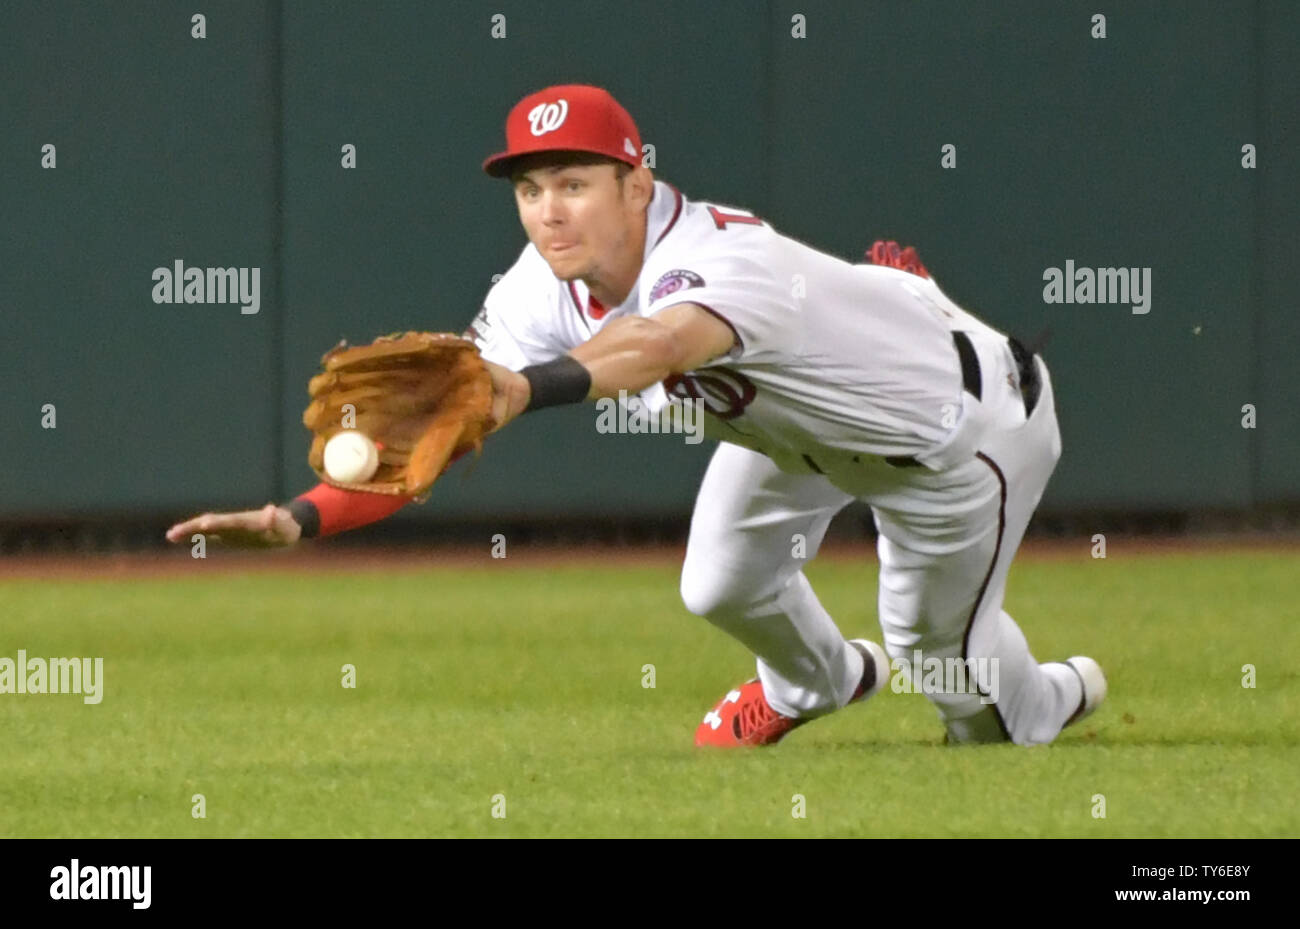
(332, 557)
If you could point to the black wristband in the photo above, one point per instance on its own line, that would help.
(306, 515)
(563, 380)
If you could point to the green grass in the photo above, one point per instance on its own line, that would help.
(526, 681)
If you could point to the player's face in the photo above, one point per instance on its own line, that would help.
(577, 216)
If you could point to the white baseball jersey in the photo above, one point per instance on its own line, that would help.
(832, 358)
(833, 361)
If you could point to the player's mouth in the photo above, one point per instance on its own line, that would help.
(561, 246)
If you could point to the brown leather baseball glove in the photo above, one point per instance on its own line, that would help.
(423, 398)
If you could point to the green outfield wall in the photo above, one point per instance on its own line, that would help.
(1003, 139)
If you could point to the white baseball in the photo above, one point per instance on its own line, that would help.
(351, 457)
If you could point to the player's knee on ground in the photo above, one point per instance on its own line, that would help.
(983, 728)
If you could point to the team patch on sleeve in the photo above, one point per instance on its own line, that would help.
(674, 281)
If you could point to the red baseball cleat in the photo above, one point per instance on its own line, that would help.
(744, 717)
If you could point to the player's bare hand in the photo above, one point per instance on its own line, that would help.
(270, 527)
(510, 394)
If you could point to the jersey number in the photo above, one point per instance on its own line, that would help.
(720, 219)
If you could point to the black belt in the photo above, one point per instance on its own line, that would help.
(971, 380)
(970, 364)
(1031, 385)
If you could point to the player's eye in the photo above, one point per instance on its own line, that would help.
(575, 185)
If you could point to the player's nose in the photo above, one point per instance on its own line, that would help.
(552, 208)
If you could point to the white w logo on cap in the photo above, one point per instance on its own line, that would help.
(547, 117)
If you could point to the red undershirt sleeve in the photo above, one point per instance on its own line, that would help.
(338, 510)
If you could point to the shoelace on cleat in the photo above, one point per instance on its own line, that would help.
(757, 718)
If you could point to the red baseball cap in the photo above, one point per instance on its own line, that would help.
(568, 117)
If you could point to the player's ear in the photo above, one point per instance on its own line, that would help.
(641, 184)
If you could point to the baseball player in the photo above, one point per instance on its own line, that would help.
(823, 381)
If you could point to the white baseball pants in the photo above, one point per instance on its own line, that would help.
(946, 542)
